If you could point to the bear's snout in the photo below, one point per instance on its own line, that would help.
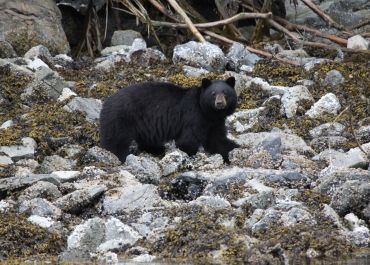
(220, 102)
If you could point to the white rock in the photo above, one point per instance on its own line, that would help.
(66, 176)
(64, 57)
(144, 258)
(36, 63)
(293, 97)
(44, 222)
(353, 221)
(214, 202)
(7, 124)
(357, 42)
(328, 104)
(66, 94)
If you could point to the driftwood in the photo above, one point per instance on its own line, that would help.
(187, 20)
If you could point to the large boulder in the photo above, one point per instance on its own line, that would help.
(25, 24)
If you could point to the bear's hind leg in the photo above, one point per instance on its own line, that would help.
(156, 150)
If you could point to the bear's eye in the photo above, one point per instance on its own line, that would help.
(213, 93)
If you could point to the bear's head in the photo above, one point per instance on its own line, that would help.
(218, 98)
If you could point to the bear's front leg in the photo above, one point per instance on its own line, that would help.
(218, 143)
(189, 142)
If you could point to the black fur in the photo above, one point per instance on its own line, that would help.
(154, 113)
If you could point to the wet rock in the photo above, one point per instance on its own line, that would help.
(193, 71)
(90, 106)
(40, 207)
(203, 55)
(84, 240)
(147, 57)
(333, 78)
(118, 236)
(56, 163)
(145, 169)
(238, 55)
(30, 23)
(328, 104)
(16, 152)
(100, 155)
(187, 186)
(352, 196)
(357, 42)
(38, 51)
(41, 189)
(327, 129)
(172, 162)
(124, 37)
(6, 50)
(295, 98)
(131, 198)
(76, 201)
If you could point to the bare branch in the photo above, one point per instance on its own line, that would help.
(187, 20)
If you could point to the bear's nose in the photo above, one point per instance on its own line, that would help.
(220, 105)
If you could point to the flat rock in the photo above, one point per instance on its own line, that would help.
(16, 152)
(90, 106)
(327, 129)
(131, 198)
(13, 183)
(40, 207)
(145, 169)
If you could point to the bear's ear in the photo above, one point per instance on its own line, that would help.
(231, 81)
(206, 82)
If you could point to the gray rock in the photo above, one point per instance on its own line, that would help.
(352, 196)
(270, 218)
(299, 53)
(262, 200)
(90, 106)
(124, 37)
(297, 216)
(41, 189)
(100, 155)
(56, 163)
(6, 50)
(118, 236)
(245, 120)
(147, 57)
(193, 71)
(242, 81)
(354, 158)
(84, 239)
(335, 142)
(30, 23)
(328, 104)
(357, 42)
(16, 152)
(238, 55)
(289, 142)
(70, 151)
(363, 133)
(348, 13)
(172, 162)
(40, 207)
(203, 55)
(114, 50)
(137, 44)
(333, 78)
(366, 213)
(38, 51)
(213, 202)
(145, 169)
(76, 201)
(327, 129)
(294, 98)
(47, 83)
(13, 183)
(5, 160)
(330, 182)
(131, 198)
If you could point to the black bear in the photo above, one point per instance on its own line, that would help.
(154, 113)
